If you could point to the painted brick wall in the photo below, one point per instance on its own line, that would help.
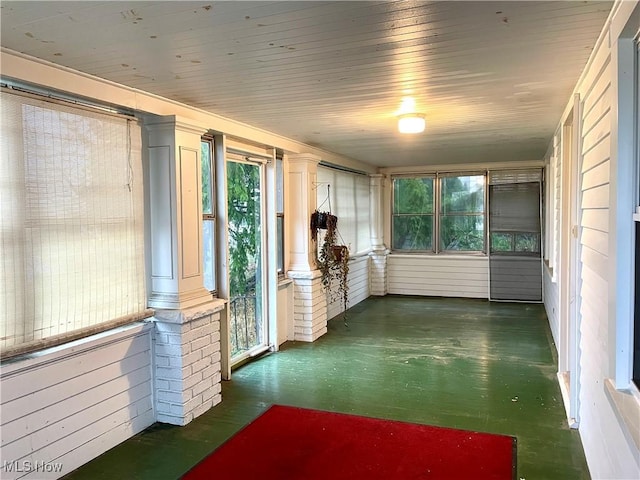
(187, 366)
(378, 273)
(309, 307)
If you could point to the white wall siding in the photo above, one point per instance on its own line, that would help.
(358, 286)
(610, 454)
(74, 403)
(438, 275)
(551, 299)
(284, 316)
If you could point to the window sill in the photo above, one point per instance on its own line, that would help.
(73, 348)
(550, 270)
(626, 405)
(449, 255)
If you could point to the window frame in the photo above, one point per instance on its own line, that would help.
(280, 217)
(211, 217)
(485, 198)
(433, 214)
(437, 212)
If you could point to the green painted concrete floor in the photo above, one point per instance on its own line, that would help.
(458, 363)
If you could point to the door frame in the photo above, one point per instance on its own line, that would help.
(569, 278)
(261, 163)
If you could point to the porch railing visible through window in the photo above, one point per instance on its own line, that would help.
(244, 327)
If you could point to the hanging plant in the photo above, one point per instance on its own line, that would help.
(323, 221)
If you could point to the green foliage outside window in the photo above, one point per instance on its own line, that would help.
(243, 186)
(460, 221)
(413, 213)
(208, 220)
(207, 184)
(504, 242)
(462, 213)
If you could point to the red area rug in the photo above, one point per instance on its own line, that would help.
(296, 443)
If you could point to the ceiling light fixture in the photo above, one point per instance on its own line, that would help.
(411, 123)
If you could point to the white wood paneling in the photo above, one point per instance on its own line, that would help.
(77, 401)
(551, 305)
(438, 275)
(610, 452)
(358, 286)
(515, 278)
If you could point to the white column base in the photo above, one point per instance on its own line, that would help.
(186, 362)
(309, 306)
(379, 286)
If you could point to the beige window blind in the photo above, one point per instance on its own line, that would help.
(71, 222)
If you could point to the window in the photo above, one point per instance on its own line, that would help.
(462, 213)
(459, 225)
(347, 196)
(413, 219)
(71, 222)
(514, 212)
(208, 214)
(635, 377)
(279, 215)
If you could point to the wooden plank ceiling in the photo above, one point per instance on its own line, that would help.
(492, 78)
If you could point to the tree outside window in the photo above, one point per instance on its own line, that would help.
(459, 225)
(413, 214)
(462, 213)
(208, 214)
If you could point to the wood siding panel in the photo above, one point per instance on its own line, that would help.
(515, 278)
(598, 262)
(597, 154)
(596, 197)
(14, 386)
(610, 453)
(601, 84)
(596, 176)
(595, 133)
(82, 400)
(596, 219)
(438, 276)
(551, 303)
(595, 240)
(358, 287)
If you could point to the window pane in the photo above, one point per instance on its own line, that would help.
(209, 254)
(462, 232)
(280, 245)
(413, 232)
(527, 242)
(463, 194)
(207, 184)
(502, 242)
(413, 195)
(279, 186)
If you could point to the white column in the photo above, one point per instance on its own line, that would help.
(310, 301)
(303, 174)
(376, 182)
(186, 352)
(378, 256)
(175, 208)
